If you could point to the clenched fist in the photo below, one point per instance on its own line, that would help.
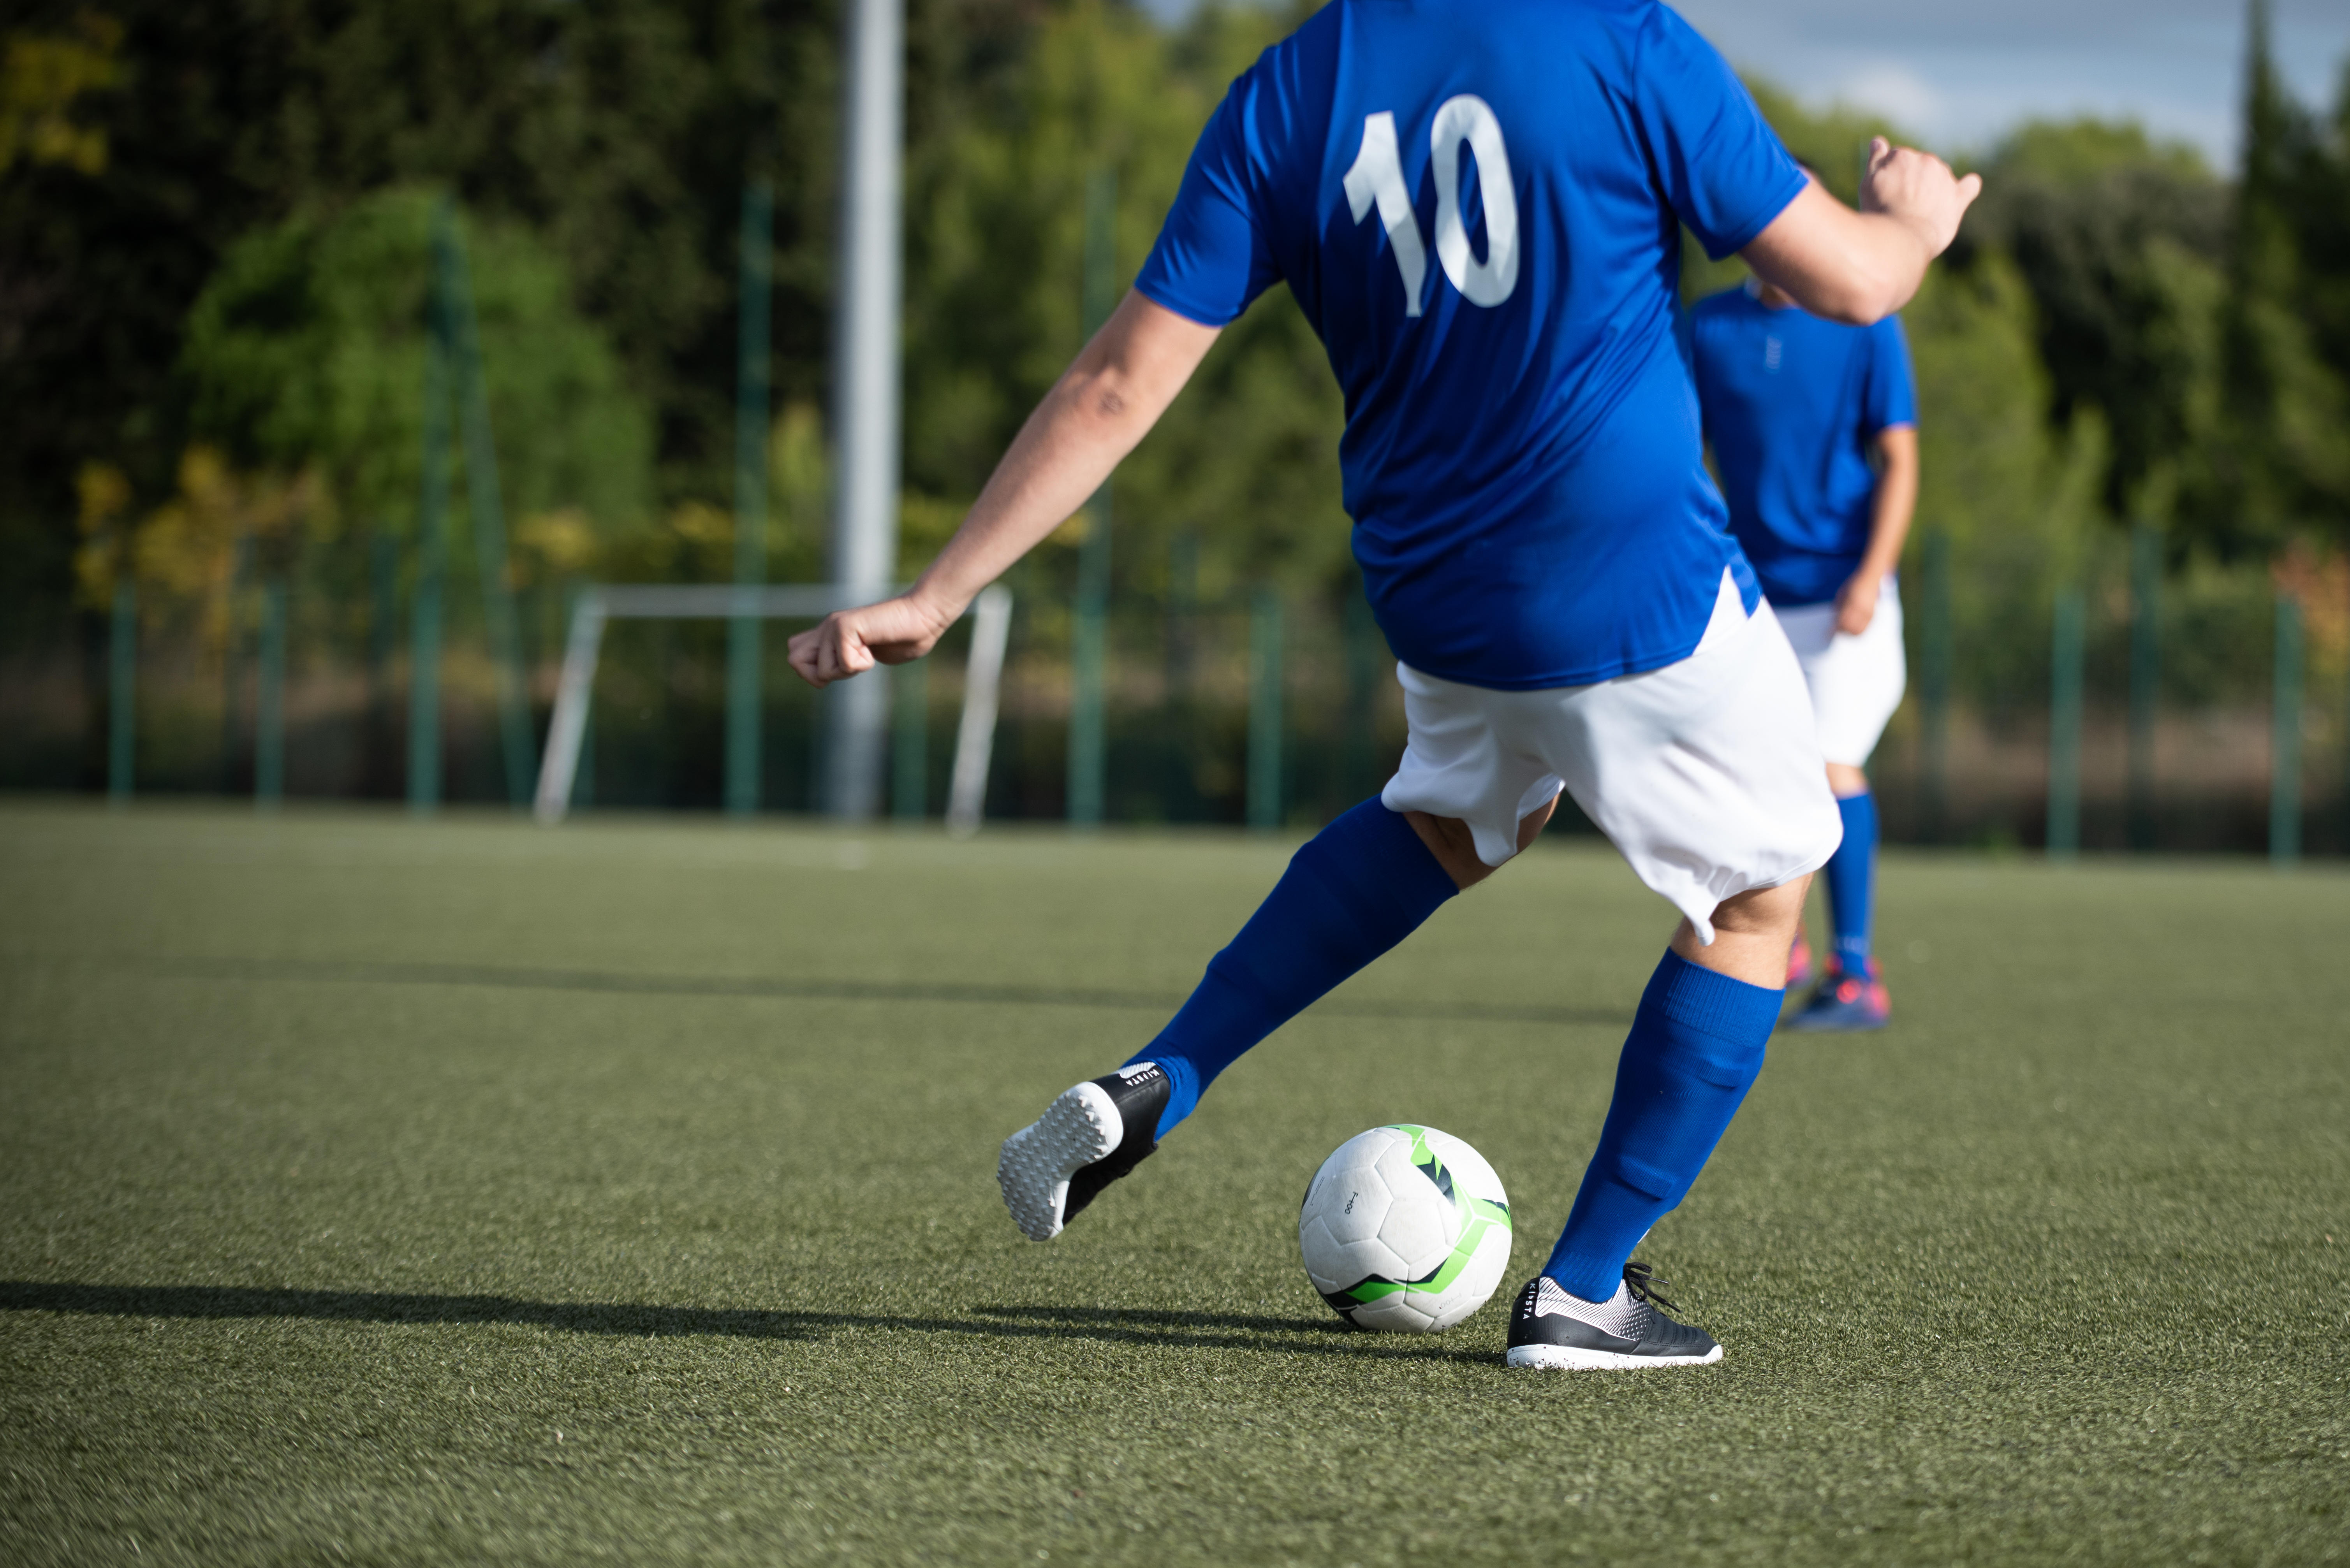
(852, 641)
(1920, 190)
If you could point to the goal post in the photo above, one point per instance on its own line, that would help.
(599, 603)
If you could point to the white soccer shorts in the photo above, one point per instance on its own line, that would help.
(1704, 775)
(1857, 681)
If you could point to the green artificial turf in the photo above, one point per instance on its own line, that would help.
(399, 1193)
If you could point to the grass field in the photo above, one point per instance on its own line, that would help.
(390, 1193)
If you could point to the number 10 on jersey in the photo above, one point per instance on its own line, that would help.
(1377, 180)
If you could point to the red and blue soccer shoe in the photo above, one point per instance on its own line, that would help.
(1847, 1003)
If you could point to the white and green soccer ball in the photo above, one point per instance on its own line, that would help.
(1405, 1228)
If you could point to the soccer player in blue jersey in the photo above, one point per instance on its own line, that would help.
(1814, 426)
(1477, 205)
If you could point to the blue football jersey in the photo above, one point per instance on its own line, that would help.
(1477, 205)
(1793, 404)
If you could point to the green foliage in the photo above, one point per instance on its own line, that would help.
(2119, 239)
(308, 347)
(2017, 498)
(41, 74)
(2207, 372)
(1246, 459)
(619, 131)
(2279, 462)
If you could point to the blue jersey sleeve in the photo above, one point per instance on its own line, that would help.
(1211, 258)
(1722, 165)
(1892, 389)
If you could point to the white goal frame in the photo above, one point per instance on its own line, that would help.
(597, 604)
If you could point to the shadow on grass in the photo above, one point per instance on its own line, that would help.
(1190, 1330)
(597, 982)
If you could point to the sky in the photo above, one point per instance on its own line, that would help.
(1957, 73)
(1960, 72)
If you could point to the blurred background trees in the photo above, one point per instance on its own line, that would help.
(214, 258)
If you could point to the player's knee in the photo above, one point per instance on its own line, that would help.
(1764, 911)
(1455, 847)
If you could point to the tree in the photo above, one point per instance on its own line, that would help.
(1246, 459)
(2279, 462)
(2119, 240)
(622, 130)
(2017, 497)
(307, 349)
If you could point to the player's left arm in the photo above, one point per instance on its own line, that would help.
(1888, 528)
(1104, 403)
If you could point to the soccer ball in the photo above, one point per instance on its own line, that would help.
(1405, 1228)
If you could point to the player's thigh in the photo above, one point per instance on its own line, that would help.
(1706, 775)
(1463, 764)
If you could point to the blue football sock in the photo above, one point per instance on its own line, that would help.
(1695, 1048)
(1357, 888)
(1852, 882)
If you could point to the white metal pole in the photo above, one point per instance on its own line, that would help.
(975, 740)
(560, 764)
(865, 383)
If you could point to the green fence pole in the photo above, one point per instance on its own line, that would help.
(488, 512)
(432, 568)
(269, 702)
(2067, 658)
(2145, 677)
(909, 748)
(1179, 792)
(1087, 655)
(2284, 754)
(1934, 684)
(1265, 713)
(383, 639)
(240, 572)
(744, 639)
(1090, 642)
(121, 691)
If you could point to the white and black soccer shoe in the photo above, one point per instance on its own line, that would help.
(1553, 1329)
(1088, 1138)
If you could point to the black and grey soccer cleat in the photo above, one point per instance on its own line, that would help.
(1088, 1138)
(1553, 1329)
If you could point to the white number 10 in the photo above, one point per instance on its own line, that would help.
(1377, 179)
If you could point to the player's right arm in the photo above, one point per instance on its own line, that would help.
(1860, 268)
(1104, 403)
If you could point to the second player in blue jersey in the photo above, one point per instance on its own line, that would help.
(1796, 409)
(1813, 425)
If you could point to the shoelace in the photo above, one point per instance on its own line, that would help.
(1642, 1282)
